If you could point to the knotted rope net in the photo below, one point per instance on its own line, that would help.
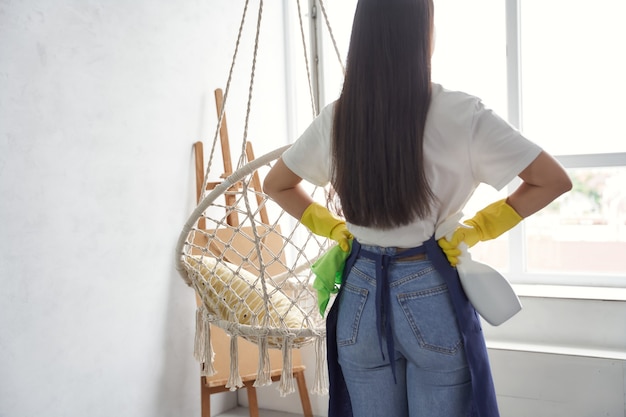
(253, 275)
(249, 264)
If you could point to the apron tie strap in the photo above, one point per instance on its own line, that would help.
(383, 297)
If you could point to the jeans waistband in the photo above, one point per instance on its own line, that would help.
(393, 253)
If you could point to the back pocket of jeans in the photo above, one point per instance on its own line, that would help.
(431, 316)
(351, 308)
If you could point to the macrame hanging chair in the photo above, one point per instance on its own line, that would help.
(249, 262)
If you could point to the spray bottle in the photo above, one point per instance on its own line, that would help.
(489, 292)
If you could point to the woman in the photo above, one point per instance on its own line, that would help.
(404, 154)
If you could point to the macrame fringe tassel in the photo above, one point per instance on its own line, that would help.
(287, 383)
(234, 379)
(264, 369)
(202, 348)
(320, 384)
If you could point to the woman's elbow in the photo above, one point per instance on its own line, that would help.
(560, 182)
(279, 179)
(547, 173)
(564, 183)
(269, 187)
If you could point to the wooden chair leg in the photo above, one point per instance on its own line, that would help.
(253, 404)
(205, 398)
(304, 394)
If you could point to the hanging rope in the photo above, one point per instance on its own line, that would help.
(306, 61)
(226, 90)
(332, 36)
(242, 157)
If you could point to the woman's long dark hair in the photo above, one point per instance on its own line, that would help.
(379, 119)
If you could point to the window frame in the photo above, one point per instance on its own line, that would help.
(517, 243)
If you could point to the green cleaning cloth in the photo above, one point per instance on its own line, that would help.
(328, 270)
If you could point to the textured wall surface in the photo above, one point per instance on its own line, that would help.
(99, 105)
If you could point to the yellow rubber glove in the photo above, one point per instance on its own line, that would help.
(487, 224)
(321, 222)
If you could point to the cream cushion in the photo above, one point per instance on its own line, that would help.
(230, 289)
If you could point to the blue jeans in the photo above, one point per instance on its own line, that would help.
(431, 377)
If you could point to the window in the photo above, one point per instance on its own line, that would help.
(555, 69)
(572, 78)
(572, 71)
(565, 77)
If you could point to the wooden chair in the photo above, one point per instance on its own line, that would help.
(248, 352)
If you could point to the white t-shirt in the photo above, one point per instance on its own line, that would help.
(465, 144)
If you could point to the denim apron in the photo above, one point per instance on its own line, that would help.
(483, 392)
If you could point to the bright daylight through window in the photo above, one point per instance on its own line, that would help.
(555, 69)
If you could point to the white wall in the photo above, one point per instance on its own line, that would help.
(99, 105)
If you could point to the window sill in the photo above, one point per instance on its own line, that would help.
(557, 350)
(570, 292)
